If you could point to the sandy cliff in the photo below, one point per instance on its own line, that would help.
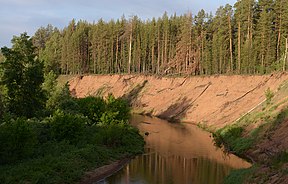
(212, 100)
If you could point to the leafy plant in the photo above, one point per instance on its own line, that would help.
(23, 77)
(120, 106)
(92, 107)
(68, 127)
(231, 138)
(269, 95)
(61, 99)
(17, 140)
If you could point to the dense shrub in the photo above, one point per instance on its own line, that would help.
(120, 106)
(121, 135)
(231, 138)
(17, 140)
(62, 100)
(92, 107)
(68, 127)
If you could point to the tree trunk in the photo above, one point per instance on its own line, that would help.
(279, 37)
(158, 58)
(130, 52)
(116, 55)
(230, 44)
(286, 54)
(239, 47)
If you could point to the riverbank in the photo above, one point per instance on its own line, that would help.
(79, 136)
(246, 113)
(213, 101)
(262, 137)
(103, 172)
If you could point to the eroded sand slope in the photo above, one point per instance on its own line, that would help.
(212, 101)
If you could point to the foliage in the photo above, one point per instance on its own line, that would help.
(279, 159)
(17, 140)
(50, 83)
(67, 127)
(61, 99)
(92, 107)
(60, 163)
(118, 106)
(238, 176)
(247, 38)
(109, 111)
(2, 58)
(231, 137)
(23, 77)
(269, 95)
(59, 147)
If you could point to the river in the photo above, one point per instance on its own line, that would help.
(175, 154)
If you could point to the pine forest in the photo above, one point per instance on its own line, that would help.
(247, 38)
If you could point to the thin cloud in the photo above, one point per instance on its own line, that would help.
(17, 16)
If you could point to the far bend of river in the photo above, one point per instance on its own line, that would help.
(175, 154)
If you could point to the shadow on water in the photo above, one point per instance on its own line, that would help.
(176, 153)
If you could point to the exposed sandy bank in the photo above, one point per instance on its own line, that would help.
(212, 100)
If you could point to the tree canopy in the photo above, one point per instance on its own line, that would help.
(247, 38)
(22, 77)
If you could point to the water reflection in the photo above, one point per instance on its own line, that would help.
(176, 153)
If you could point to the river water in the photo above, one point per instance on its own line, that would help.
(175, 154)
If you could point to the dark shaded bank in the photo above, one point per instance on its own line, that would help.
(103, 172)
(81, 135)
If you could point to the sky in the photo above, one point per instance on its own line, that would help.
(18, 16)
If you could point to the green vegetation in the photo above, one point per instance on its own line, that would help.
(247, 38)
(253, 127)
(238, 176)
(269, 95)
(231, 137)
(48, 136)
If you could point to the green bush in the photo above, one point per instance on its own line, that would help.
(62, 100)
(120, 106)
(92, 107)
(109, 118)
(238, 176)
(121, 135)
(231, 138)
(17, 140)
(68, 127)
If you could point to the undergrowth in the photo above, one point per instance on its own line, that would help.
(241, 136)
(239, 176)
(78, 135)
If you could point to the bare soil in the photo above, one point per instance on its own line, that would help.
(212, 100)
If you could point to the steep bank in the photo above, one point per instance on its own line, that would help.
(212, 101)
(235, 103)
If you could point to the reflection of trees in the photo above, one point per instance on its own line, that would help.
(155, 168)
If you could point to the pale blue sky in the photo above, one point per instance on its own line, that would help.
(18, 16)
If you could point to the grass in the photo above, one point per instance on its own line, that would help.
(278, 160)
(242, 136)
(238, 176)
(66, 165)
(63, 162)
(231, 138)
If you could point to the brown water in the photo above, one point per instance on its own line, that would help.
(176, 154)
